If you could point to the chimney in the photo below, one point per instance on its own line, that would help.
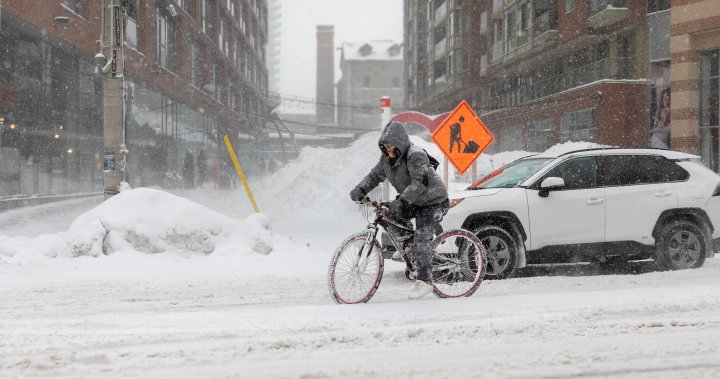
(325, 87)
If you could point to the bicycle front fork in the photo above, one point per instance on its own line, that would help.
(363, 256)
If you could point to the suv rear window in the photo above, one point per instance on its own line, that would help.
(628, 170)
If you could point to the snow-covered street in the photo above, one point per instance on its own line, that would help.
(284, 325)
(237, 313)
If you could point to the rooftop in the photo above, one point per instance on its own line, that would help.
(373, 50)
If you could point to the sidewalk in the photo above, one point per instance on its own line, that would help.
(18, 201)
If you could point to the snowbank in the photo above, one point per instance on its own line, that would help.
(317, 184)
(148, 221)
(310, 192)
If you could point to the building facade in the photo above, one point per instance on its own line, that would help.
(695, 78)
(194, 70)
(325, 75)
(539, 72)
(274, 44)
(370, 70)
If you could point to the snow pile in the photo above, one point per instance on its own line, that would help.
(318, 183)
(149, 221)
(309, 192)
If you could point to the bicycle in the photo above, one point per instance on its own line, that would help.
(356, 269)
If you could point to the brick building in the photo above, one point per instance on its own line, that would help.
(695, 78)
(194, 70)
(539, 72)
(370, 70)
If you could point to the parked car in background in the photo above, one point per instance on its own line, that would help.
(594, 205)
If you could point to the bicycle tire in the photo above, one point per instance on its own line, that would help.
(458, 263)
(339, 288)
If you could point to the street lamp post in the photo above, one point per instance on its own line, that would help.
(114, 148)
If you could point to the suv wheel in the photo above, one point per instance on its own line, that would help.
(680, 245)
(501, 249)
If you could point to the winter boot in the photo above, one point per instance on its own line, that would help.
(419, 290)
(398, 256)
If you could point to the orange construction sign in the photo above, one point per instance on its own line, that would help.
(462, 137)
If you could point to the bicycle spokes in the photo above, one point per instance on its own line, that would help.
(457, 264)
(356, 270)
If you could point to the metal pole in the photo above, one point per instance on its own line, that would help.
(113, 103)
(385, 110)
(446, 171)
(240, 173)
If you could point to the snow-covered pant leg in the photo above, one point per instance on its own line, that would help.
(402, 218)
(425, 219)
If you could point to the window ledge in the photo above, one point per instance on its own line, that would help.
(168, 71)
(78, 15)
(134, 49)
(607, 16)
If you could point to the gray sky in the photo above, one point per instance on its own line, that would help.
(354, 20)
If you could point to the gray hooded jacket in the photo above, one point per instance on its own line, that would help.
(411, 173)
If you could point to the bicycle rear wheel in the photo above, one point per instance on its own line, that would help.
(458, 263)
(355, 273)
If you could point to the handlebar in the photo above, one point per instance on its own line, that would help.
(377, 204)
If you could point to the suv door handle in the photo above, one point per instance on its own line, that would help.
(594, 201)
(663, 194)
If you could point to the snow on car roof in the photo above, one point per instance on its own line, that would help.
(670, 154)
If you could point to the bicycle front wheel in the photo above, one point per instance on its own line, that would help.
(355, 270)
(458, 263)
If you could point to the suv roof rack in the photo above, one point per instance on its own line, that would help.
(612, 148)
(591, 149)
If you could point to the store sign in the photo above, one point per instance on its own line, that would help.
(114, 63)
(462, 137)
(118, 30)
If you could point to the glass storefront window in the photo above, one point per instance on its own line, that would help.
(511, 138)
(541, 134)
(578, 126)
(161, 131)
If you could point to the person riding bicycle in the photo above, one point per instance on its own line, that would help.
(422, 195)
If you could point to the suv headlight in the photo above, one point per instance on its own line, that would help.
(455, 202)
(717, 190)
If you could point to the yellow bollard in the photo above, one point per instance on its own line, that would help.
(240, 173)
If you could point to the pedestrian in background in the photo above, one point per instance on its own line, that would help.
(202, 168)
(189, 170)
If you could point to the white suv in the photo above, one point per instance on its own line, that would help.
(595, 204)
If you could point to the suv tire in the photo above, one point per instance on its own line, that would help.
(502, 251)
(681, 244)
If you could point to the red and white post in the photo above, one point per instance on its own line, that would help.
(385, 111)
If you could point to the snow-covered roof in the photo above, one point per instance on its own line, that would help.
(373, 50)
(670, 154)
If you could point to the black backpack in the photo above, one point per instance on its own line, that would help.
(433, 162)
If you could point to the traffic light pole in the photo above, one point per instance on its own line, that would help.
(114, 150)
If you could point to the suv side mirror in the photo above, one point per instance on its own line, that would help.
(549, 184)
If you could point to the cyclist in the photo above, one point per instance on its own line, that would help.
(422, 195)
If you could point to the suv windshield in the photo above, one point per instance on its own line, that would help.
(512, 174)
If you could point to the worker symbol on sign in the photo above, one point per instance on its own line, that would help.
(456, 134)
(456, 138)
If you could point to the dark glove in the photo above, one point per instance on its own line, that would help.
(357, 194)
(396, 206)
